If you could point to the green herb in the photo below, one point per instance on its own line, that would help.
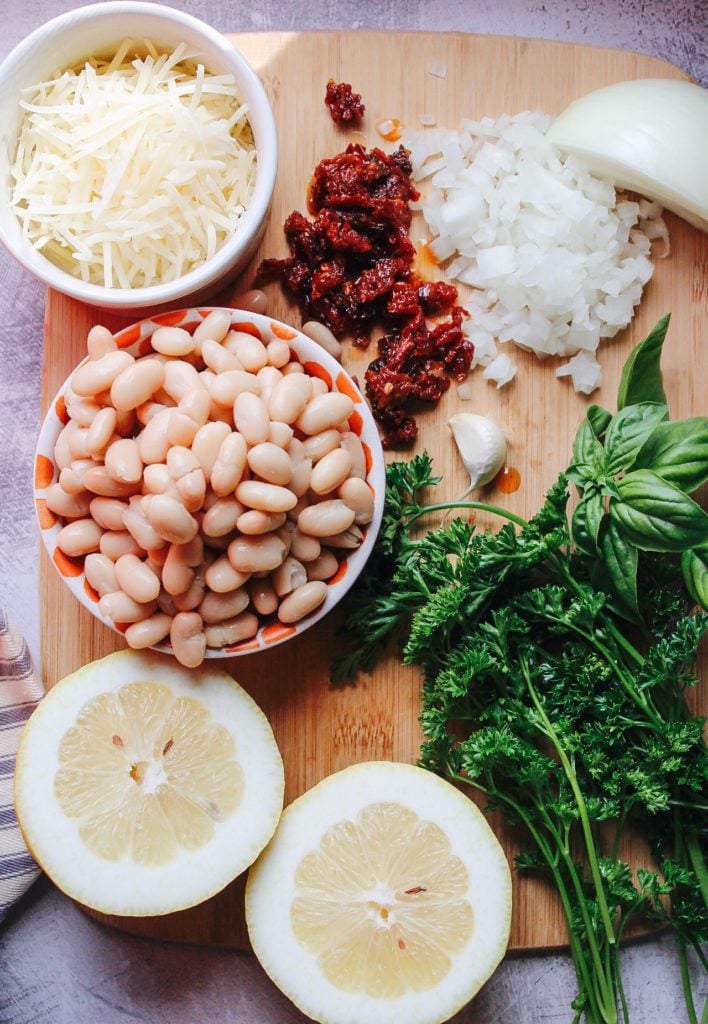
(556, 656)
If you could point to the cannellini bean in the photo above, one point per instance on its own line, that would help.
(271, 463)
(255, 301)
(71, 478)
(222, 517)
(331, 471)
(177, 575)
(122, 608)
(263, 598)
(326, 518)
(256, 554)
(221, 576)
(100, 342)
(280, 434)
(123, 460)
(293, 368)
(218, 358)
(137, 579)
(172, 341)
(80, 537)
(251, 418)
(227, 386)
(108, 512)
(188, 639)
(346, 540)
(232, 631)
(356, 493)
(255, 522)
(304, 548)
(137, 383)
(217, 607)
(206, 445)
(191, 598)
(191, 489)
(267, 378)
(101, 574)
(229, 464)
(180, 379)
(81, 410)
(99, 481)
(278, 353)
(324, 412)
(136, 523)
(323, 336)
(79, 443)
(116, 543)
(290, 397)
(71, 506)
(323, 567)
(125, 422)
(157, 479)
(351, 443)
(62, 448)
(214, 327)
(182, 429)
(264, 496)
(288, 576)
(147, 411)
(319, 387)
(149, 632)
(319, 445)
(166, 604)
(249, 351)
(97, 375)
(169, 518)
(153, 442)
(195, 404)
(302, 601)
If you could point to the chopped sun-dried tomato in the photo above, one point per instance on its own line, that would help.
(351, 267)
(344, 105)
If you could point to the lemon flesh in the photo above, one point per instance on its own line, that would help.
(143, 788)
(383, 895)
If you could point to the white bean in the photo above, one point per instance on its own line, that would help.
(331, 471)
(326, 518)
(71, 506)
(302, 601)
(278, 353)
(191, 598)
(101, 574)
(97, 375)
(157, 479)
(229, 464)
(108, 512)
(221, 576)
(188, 639)
(270, 463)
(122, 608)
(324, 412)
(214, 326)
(71, 478)
(254, 522)
(137, 383)
(267, 378)
(323, 567)
(232, 631)
(222, 517)
(256, 554)
(177, 576)
(100, 342)
(319, 445)
(153, 442)
(136, 523)
(80, 537)
(288, 576)
(290, 397)
(249, 351)
(172, 341)
(255, 301)
(263, 598)
(266, 497)
(218, 358)
(147, 411)
(356, 493)
(304, 548)
(116, 543)
(81, 410)
(123, 460)
(227, 386)
(319, 387)
(180, 379)
(280, 434)
(149, 631)
(170, 518)
(206, 445)
(323, 336)
(99, 481)
(217, 607)
(351, 443)
(137, 579)
(251, 418)
(346, 540)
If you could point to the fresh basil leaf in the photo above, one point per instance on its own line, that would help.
(678, 452)
(695, 576)
(641, 379)
(655, 515)
(598, 419)
(588, 455)
(628, 431)
(621, 559)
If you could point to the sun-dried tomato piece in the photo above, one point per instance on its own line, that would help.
(344, 105)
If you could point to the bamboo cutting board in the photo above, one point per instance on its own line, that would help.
(320, 729)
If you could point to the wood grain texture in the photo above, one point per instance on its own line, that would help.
(321, 729)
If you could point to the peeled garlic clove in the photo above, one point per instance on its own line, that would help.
(481, 444)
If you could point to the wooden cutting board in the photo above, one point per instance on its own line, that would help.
(321, 729)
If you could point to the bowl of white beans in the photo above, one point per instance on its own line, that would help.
(208, 482)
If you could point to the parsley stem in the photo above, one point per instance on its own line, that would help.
(698, 863)
(481, 505)
(686, 983)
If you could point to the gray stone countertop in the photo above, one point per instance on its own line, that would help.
(56, 965)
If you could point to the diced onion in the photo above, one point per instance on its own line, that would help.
(133, 171)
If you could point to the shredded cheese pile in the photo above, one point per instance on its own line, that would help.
(133, 171)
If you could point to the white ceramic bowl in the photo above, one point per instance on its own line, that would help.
(136, 340)
(73, 37)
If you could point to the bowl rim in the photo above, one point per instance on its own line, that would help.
(272, 328)
(260, 110)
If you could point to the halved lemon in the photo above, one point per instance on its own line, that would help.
(142, 787)
(383, 896)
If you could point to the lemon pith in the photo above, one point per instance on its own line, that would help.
(381, 903)
(144, 773)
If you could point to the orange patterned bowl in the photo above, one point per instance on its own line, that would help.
(136, 339)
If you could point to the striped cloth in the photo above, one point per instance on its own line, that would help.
(20, 689)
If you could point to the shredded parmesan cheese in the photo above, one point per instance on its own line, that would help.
(132, 171)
